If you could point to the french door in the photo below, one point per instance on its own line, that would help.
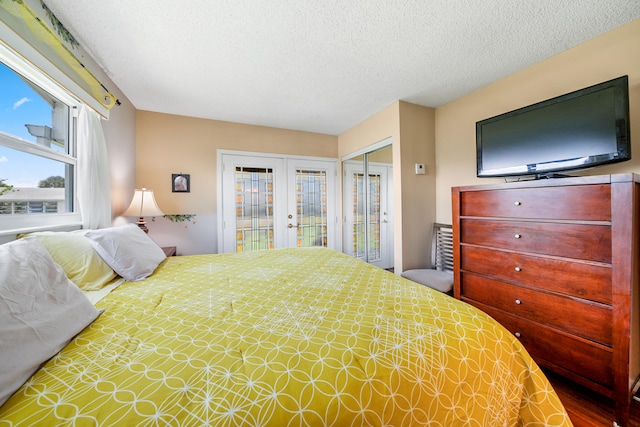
(269, 202)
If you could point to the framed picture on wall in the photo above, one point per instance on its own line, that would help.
(180, 183)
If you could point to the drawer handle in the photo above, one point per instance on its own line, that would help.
(517, 334)
(518, 302)
(517, 269)
(517, 236)
(517, 203)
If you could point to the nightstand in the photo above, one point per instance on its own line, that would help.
(169, 250)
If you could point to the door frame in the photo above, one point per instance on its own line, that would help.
(333, 189)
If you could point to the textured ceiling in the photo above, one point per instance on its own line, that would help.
(322, 65)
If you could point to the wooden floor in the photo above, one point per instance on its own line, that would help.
(588, 409)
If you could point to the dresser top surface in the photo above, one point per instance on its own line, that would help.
(554, 182)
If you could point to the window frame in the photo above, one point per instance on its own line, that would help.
(13, 224)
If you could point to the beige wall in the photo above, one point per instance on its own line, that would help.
(608, 56)
(380, 126)
(417, 145)
(120, 135)
(169, 144)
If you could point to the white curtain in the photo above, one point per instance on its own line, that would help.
(93, 171)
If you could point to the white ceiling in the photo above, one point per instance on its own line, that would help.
(322, 65)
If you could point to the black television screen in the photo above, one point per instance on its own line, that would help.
(579, 130)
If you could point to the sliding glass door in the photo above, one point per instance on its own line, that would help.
(367, 204)
(368, 230)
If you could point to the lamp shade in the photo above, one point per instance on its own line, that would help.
(143, 204)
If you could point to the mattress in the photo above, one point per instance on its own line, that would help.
(287, 337)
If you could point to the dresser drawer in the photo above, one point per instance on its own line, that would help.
(580, 241)
(584, 280)
(552, 348)
(586, 319)
(581, 202)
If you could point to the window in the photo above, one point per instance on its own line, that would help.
(37, 150)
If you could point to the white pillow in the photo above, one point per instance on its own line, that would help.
(40, 311)
(128, 250)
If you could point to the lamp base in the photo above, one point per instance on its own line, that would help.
(143, 225)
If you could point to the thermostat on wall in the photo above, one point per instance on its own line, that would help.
(420, 169)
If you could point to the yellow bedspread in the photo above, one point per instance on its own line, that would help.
(287, 337)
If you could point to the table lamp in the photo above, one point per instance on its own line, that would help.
(143, 204)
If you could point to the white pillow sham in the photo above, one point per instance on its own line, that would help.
(41, 310)
(128, 250)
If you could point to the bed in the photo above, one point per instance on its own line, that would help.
(286, 337)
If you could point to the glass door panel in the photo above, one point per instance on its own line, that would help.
(251, 203)
(357, 208)
(368, 233)
(359, 230)
(311, 208)
(254, 209)
(312, 218)
(374, 217)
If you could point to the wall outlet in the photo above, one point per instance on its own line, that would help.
(420, 169)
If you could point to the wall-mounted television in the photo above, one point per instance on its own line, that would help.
(578, 130)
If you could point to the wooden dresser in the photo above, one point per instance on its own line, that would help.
(556, 262)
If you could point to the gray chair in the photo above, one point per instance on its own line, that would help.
(440, 275)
